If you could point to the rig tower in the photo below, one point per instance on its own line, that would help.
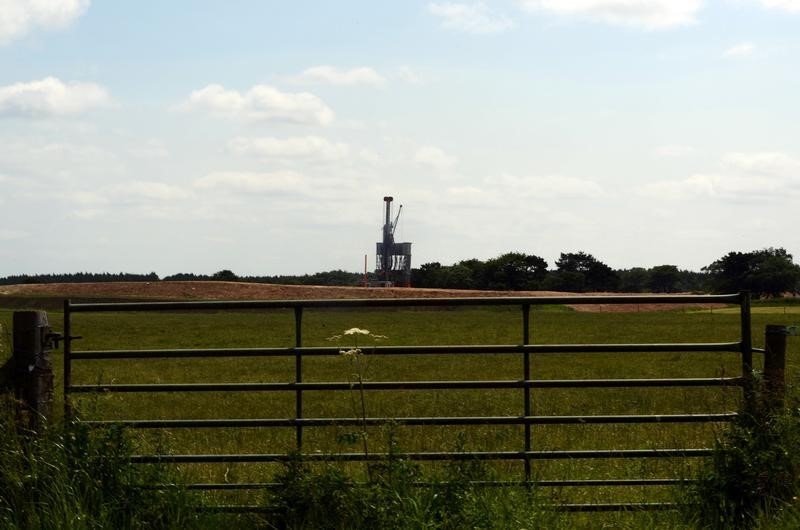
(393, 260)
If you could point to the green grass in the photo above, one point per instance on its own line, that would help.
(411, 327)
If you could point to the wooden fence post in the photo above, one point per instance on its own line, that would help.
(775, 366)
(32, 369)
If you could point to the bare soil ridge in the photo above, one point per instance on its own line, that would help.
(211, 290)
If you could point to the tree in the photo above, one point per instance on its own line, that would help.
(597, 275)
(224, 276)
(425, 275)
(766, 272)
(664, 279)
(477, 271)
(635, 280)
(455, 277)
(569, 281)
(515, 271)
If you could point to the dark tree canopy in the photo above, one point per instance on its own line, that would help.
(766, 272)
(515, 271)
(79, 277)
(512, 271)
(635, 280)
(664, 279)
(597, 276)
(225, 275)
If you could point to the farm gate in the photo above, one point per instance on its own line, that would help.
(521, 451)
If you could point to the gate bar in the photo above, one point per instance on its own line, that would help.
(409, 385)
(421, 421)
(409, 302)
(426, 456)
(451, 349)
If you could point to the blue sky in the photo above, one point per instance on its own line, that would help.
(261, 136)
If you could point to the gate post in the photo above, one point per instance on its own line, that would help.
(32, 369)
(775, 366)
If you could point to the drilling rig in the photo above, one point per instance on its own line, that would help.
(393, 260)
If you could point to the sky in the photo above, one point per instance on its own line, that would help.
(262, 136)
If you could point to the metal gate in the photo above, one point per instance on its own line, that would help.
(524, 451)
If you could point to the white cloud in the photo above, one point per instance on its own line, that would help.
(151, 149)
(313, 147)
(701, 186)
(545, 187)
(51, 97)
(86, 198)
(249, 182)
(87, 214)
(334, 76)
(408, 75)
(260, 103)
(475, 18)
(149, 190)
(792, 6)
(435, 158)
(674, 151)
(647, 14)
(474, 196)
(743, 177)
(18, 17)
(763, 163)
(740, 50)
(7, 234)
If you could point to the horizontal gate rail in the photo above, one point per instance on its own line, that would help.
(526, 351)
(407, 385)
(425, 456)
(407, 302)
(413, 350)
(436, 420)
(479, 483)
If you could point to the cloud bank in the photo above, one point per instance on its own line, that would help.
(645, 14)
(51, 97)
(336, 76)
(475, 18)
(19, 17)
(303, 147)
(260, 103)
(792, 6)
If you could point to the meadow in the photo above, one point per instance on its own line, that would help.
(549, 325)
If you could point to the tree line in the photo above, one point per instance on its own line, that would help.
(78, 277)
(766, 273)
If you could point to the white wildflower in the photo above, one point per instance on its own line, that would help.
(351, 353)
(356, 331)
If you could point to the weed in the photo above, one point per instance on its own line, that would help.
(355, 355)
(397, 497)
(71, 476)
(754, 474)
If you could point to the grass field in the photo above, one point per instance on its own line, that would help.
(415, 327)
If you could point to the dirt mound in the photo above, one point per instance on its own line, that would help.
(262, 291)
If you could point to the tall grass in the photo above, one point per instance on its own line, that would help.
(70, 476)
(753, 478)
(327, 498)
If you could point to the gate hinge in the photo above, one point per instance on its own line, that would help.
(53, 338)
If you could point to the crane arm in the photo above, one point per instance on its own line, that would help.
(394, 224)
